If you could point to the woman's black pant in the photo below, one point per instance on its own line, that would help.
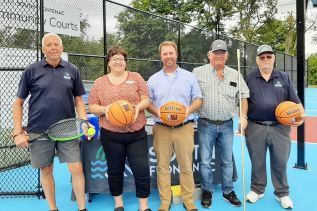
(132, 146)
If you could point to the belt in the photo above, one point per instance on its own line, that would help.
(176, 126)
(265, 123)
(216, 122)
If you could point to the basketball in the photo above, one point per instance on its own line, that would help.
(173, 113)
(121, 113)
(288, 112)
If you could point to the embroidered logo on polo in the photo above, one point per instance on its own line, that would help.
(278, 84)
(67, 76)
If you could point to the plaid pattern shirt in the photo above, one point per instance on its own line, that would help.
(220, 97)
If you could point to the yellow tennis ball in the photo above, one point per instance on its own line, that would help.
(91, 131)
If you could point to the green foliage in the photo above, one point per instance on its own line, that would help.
(195, 45)
(135, 32)
(281, 35)
(173, 9)
(211, 15)
(252, 15)
(12, 37)
(312, 69)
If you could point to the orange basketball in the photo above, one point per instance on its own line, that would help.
(121, 113)
(173, 113)
(288, 112)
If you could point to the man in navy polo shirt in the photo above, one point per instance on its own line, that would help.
(56, 88)
(269, 87)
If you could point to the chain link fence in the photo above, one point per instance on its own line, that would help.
(19, 38)
(102, 24)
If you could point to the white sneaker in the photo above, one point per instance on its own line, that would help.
(253, 197)
(286, 202)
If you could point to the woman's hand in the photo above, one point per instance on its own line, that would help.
(136, 113)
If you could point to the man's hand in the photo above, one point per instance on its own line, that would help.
(89, 130)
(21, 140)
(188, 111)
(243, 123)
(298, 121)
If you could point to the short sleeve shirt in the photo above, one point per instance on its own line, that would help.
(266, 95)
(104, 93)
(52, 93)
(220, 97)
(181, 87)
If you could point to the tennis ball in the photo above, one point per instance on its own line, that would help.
(91, 132)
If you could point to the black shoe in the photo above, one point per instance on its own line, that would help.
(206, 199)
(83, 210)
(193, 209)
(119, 209)
(232, 199)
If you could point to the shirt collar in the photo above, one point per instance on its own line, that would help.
(62, 63)
(273, 75)
(224, 71)
(176, 71)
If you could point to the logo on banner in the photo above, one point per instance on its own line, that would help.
(98, 167)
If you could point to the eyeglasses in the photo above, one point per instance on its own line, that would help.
(117, 59)
(262, 58)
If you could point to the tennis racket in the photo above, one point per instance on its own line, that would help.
(61, 131)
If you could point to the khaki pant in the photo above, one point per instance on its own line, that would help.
(181, 141)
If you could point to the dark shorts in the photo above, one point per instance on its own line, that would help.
(43, 151)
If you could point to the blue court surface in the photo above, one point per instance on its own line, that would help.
(303, 184)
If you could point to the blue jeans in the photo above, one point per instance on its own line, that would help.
(210, 135)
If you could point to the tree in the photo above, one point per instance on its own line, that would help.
(252, 15)
(172, 9)
(312, 69)
(141, 39)
(280, 34)
(209, 14)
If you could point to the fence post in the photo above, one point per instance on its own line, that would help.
(179, 43)
(104, 36)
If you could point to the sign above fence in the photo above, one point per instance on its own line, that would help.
(58, 18)
(61, 19)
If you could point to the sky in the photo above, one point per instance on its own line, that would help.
(284, 6)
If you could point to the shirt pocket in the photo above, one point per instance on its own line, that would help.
(231, 92)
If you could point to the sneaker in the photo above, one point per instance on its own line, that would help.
(286, 202)
(190, 207)
(253, 197)
(206, 199)
(232, 199)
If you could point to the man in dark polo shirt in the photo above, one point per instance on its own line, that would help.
(268, 87)
(55, 89)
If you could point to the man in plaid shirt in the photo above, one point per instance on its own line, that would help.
(220, 89)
